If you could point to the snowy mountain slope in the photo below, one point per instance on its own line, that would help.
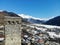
(32, 19)
(48, 21)
(28, 16)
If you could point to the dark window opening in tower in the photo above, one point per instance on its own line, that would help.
(17, 22)
(13, 22)
(9, 22)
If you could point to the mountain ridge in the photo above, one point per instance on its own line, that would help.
(50, 21)
(30, 19)
(54, 21)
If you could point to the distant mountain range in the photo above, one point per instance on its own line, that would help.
(6, 13)
(30, 19)
(52, 21)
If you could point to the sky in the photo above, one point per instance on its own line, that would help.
(35, 8)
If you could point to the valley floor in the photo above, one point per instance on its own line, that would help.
(35, 34)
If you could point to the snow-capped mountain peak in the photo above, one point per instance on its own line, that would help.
(25, 16)
(1, 10)
(28, 16)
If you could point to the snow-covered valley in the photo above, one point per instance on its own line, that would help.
(46, 33)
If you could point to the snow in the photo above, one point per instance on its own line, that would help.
(26, 36)
(53, 35)
(50, 26)
(41, 29)
(34, 32)
(24, 16)
(28, 16)
(47, 26)
(1, 39)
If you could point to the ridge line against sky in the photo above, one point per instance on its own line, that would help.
(35, 8)
(28, 16)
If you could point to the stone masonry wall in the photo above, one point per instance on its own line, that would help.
(12, 35)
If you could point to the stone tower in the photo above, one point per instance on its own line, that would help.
(12, 28)
(2, 30)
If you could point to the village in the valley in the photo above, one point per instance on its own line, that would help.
(15, 31)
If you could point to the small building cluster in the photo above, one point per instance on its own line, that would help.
(38, 35)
